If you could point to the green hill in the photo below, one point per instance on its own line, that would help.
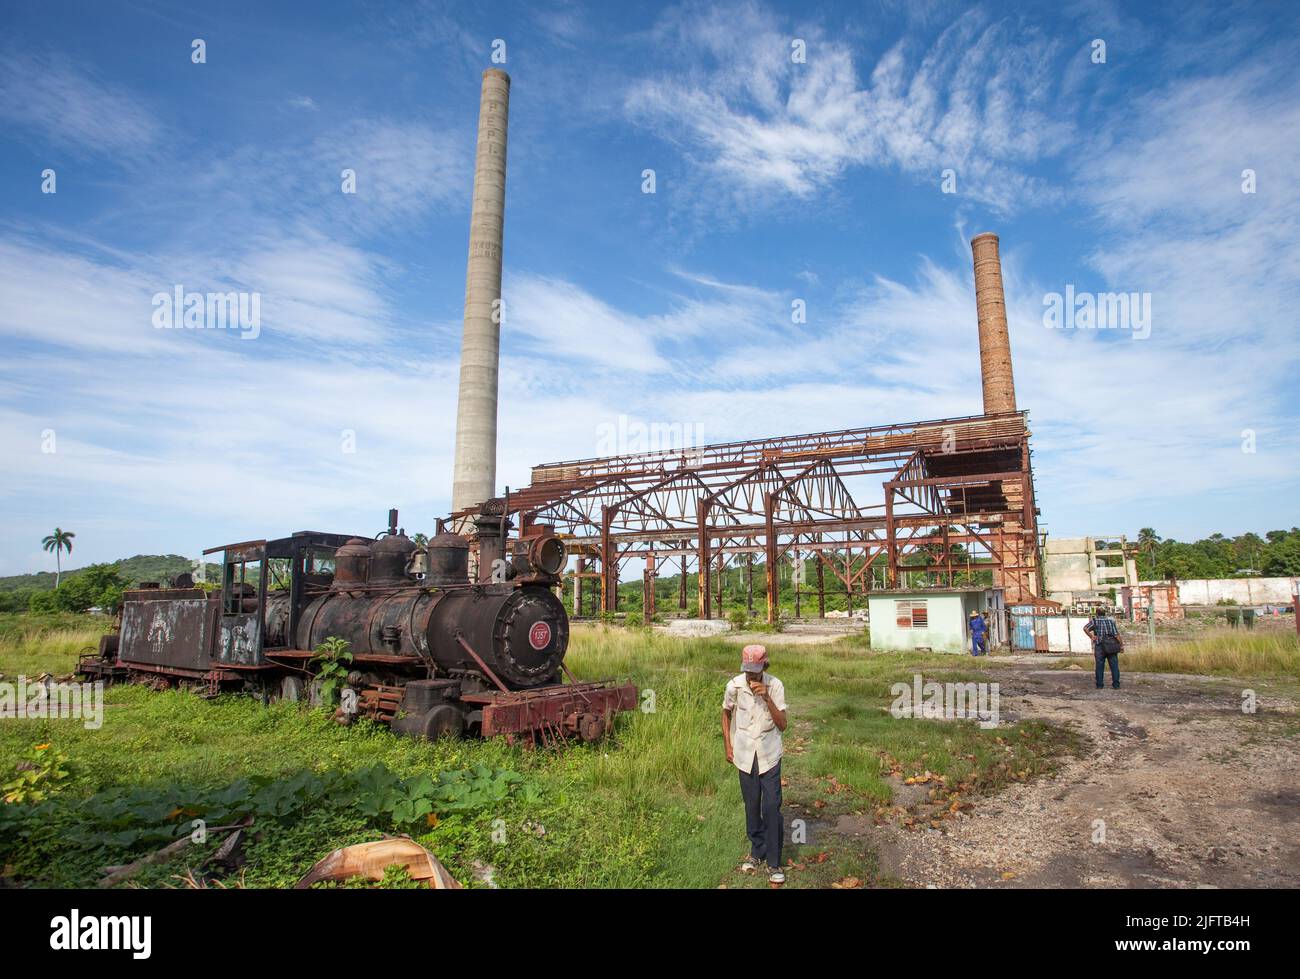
(142, 567)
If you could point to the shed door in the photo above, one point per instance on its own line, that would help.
(1022, 630)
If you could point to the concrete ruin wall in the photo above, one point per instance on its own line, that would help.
(1244, 591)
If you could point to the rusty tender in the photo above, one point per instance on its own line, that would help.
(433, 652)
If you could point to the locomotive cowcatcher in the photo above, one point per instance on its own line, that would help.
(433, 652)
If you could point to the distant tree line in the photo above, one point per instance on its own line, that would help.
(96, 586)
(1276, 554)
(22, 592)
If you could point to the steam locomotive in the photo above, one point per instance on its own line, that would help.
(432, 652)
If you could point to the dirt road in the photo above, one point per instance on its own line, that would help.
(1176, 787)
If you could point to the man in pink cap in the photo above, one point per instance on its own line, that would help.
(753, 717)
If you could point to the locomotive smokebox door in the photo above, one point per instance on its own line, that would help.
(534, 631)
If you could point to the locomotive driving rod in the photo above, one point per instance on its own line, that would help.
(460, 638)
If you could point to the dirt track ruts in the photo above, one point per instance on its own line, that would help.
(1193, 793)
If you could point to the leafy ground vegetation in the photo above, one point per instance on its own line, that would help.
(655, 806)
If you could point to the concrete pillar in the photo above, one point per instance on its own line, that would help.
(995, 344)
(821, 587)
(475, 468)
(648, 589)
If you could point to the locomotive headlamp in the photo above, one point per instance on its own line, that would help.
(547, 554)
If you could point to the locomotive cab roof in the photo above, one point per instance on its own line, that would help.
(289, 546)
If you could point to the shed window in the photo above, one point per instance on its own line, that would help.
(912, 614)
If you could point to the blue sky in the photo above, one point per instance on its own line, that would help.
(776, 181)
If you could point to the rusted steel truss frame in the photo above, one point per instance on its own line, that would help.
(845, 443)
(945, 484)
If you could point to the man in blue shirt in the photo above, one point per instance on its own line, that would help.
(979, 643)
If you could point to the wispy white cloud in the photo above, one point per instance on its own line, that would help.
(1223, 265)
(311, 288)
(977, 101)
(403, 170)
(69, 106)
(559, 320)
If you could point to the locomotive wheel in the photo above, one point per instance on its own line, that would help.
(291, 688)
(444, 720)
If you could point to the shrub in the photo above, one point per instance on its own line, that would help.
(333, 659)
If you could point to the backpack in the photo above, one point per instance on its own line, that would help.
(1108, 645)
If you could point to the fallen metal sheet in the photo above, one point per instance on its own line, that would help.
(372, 859)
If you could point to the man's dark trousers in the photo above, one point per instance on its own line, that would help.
(763, 822)
(1101, 660)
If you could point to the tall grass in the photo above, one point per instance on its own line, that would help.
(1223, 652)
(658, 804)
(32, 645)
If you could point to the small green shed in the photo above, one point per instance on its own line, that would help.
(932, 618)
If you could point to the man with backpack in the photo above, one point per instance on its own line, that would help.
(1106, 647)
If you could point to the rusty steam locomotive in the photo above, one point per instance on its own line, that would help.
(433, 652)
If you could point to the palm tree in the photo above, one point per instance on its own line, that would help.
(58, 542)
(1147, 541)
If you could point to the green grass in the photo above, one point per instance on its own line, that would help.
(656, 806)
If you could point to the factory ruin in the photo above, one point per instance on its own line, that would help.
(954, 493)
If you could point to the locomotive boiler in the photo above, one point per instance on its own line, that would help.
(429, 649)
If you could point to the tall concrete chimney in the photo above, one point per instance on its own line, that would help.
(995, 344)
(475, 469)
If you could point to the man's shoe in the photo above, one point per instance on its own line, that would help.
(776, 877)
(749, 866)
